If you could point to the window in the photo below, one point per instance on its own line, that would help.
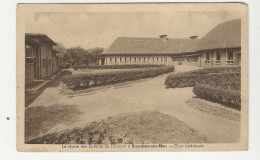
(148, 59)
(130, 59)
(110, 59)
(157, 59)
(230, 57)
(135, 59)
(161, 58)
(217, 61)
(43, 62)
(144, 59)
(139, 59)
(207, 57)
(29, 54)
(177, 59)
(115, 59)
(153, 59)
(29, 60)
(120, 59)
(125, 59)
(28, 51)
(165, 59)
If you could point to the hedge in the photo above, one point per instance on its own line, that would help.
(116, 66)
(93, 79)
(226, 96)
(216, 70)
(222, 80)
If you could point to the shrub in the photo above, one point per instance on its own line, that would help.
(217, 70)
(224, 80)
(118, 66)
(226, 96)
(85, 80)
(225, 77)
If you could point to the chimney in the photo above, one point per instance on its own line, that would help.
(194, 37)
(164, 37)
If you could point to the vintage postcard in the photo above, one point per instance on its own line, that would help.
(132, 77)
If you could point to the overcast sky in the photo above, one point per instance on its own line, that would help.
(101, 29)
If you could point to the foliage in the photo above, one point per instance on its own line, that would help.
(92, 79)
(78, 56)
(224, 77)
(226, 96)
(214, 79)
(220, 84)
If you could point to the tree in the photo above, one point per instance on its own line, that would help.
(76, 55)
(94, 54)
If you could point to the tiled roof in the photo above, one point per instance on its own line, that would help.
(41, 36)
(224, 35)
(134, 45)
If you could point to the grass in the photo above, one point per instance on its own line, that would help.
(129, 128)
(41, 119)
(212, 109)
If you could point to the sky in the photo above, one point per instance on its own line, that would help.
(100, 29)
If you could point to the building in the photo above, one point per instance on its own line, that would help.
(220, 47)
(162, 50)
(55, 61)
(41, 61)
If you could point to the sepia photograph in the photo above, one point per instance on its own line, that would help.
(132, 77)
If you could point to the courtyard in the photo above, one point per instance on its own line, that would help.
(58, 110)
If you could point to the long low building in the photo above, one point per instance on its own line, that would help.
(220, 47)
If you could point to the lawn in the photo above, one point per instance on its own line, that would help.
(129, 128)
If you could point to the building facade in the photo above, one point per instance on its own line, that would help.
(219, 47)
(40, 57)
(161, 51)
(222, 45)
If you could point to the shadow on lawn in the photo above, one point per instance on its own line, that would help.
(39, 120)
